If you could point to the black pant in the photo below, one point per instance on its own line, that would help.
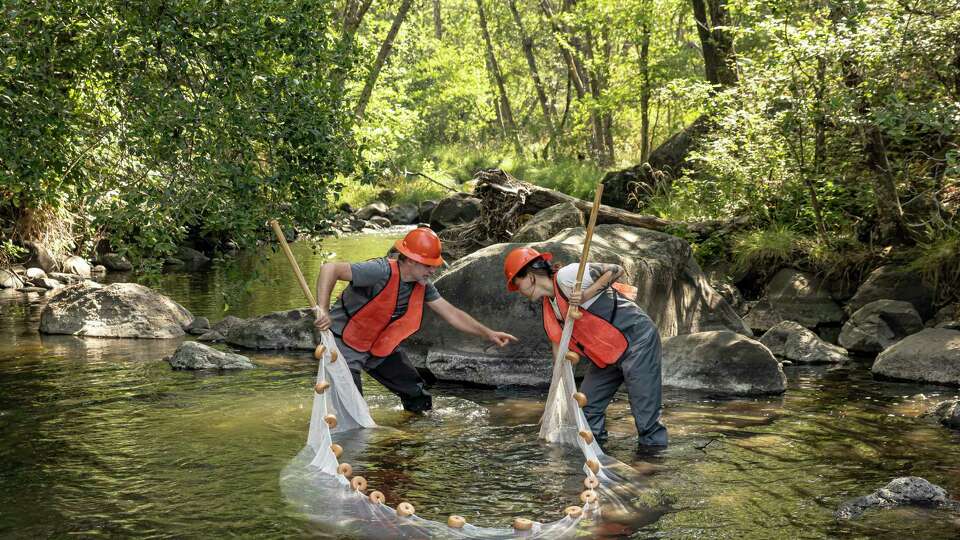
(399, 376)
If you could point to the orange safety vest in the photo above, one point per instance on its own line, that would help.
(370, 328)
(593, 336)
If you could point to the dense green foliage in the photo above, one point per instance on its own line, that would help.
(832, 125)
(157, 122)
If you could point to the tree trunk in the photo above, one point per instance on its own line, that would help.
(890, 227)
(644, 55)
(506, 112)
(548, 111)
(437, 20)
(385, 48)
(719, 60)
(353, 12)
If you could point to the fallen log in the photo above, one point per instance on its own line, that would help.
(507, 202)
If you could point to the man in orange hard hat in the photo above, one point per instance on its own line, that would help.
(382, 306)
(613, 332)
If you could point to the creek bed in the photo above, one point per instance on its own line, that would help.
(101, 437)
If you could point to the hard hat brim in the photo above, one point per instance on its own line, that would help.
(429, 261)
(510, 285)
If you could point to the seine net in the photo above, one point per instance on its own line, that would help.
(316, 485)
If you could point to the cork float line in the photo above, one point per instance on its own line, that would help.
(405, 509)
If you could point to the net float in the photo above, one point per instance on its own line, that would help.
(318, 352)
(321, 387)
(331, 420)
(591, 482)
(336, 449)
(333, 356)
(581, 399)
(345, 469)
(593, 465)
(572, 357)
(405, 509)
(573, 511)
(358, 483)
(588, 496)
(522, 524)
(587, 436)
(456, 522)
(376, 497)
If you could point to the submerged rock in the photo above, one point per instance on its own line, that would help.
(671, 289)
(907, 490)
(723, 362)
(880, 324)
(932, 355)
(291, 329)
(949, 413)
(793, 341)
(123, 310)
(193, 355)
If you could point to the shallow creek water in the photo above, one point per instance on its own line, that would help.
(101, 438)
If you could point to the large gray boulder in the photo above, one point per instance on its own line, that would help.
(454, 210)
(548, 222)
(373, 209)
(931, 355)
(279, 330)
(907, 490)
(193, 355)
(721, 362)
(672, 290)
(403, 214)
(489, 369)
(878, 325)
(894, 283)
(121, 310)
(794, 296)
(792, 341)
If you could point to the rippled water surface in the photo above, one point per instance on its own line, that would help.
(101, 438)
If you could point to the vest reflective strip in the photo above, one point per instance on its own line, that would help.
(370, 328)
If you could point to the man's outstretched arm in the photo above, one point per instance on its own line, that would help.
(462, 321)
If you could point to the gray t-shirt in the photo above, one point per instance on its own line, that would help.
(369, 278)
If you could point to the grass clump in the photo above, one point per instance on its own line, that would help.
(767, 248)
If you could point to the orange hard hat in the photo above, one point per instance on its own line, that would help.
(421, 245)
(517, 259)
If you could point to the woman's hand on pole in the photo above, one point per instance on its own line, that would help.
(322, 321)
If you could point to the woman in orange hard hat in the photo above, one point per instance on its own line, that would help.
(382, 306)
(615, 334)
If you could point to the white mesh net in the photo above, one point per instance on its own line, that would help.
(315, 484)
